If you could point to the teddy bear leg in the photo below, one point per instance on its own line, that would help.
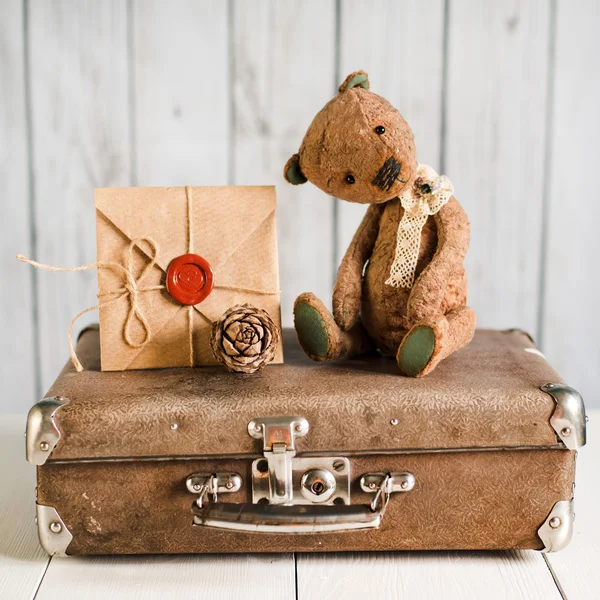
(320, 336)
(431, 340)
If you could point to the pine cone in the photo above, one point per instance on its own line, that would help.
(244, 339)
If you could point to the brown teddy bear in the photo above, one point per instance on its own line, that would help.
(401, 286)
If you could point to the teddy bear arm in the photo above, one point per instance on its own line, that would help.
(429, 289)
(348, 286)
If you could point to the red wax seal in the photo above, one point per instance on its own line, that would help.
(189, 279)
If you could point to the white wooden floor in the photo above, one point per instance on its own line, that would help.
(26, 571)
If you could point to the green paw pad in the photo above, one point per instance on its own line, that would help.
(311, 329)
(417, 350)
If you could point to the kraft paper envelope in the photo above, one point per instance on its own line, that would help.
(233, 228)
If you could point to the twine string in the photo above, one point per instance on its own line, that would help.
(131, 289)
(188, 195)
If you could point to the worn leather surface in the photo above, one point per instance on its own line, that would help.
(461, 500)
(486, 395)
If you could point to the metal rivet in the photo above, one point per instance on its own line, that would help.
(404, 485)
(299, 427)
(197, 487)
(586, 418)
(55, 527)
(566, 431)
(257, 427)
(372, 485)
(555, 522)
(44, 446)
(174, 426)
(394, 421)
(229, 485)
(549, 385)
(339, 465)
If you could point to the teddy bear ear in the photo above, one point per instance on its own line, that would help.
(356, 79)
(292, 171)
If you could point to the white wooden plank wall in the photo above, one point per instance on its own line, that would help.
(281, 78)
(181, 95)
(494, 150)
(571, 325)
(18, 357)
(501, 96)
(79, 81)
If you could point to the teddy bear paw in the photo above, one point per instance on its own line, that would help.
(416, 351)
(311, 329)
(321, 337)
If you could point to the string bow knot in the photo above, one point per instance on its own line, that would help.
(130, 289)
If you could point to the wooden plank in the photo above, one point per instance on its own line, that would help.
(400, 45)
(576, 567)
(80, 102)
(244, 577)
(494, 150)
(181, 93)
(281, 79)
(571, 327)
(22, 560)
(18, 361)
(448, 575)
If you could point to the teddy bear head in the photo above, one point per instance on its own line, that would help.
(358, 147)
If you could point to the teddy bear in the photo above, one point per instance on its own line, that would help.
(401, 286)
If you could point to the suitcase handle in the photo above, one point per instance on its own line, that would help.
(278, 518)
(302, 518)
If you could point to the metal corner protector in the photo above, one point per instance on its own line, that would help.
(557, 530)
(52, 531)
(42, 432)
(568, 419)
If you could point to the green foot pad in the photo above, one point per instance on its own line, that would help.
(416, 351)
(311, 330)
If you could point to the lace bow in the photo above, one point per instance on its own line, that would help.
(428, 194)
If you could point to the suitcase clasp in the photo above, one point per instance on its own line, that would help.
(202, 484)
(279, 436)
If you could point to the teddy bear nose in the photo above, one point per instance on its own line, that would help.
(388, 174)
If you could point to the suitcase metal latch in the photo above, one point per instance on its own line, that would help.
(203, 484)
(279, 435)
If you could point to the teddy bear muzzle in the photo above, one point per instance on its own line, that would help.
(388, 174)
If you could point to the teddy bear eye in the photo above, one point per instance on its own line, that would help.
(350, 179)
(380, 129)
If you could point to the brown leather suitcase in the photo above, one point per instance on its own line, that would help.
(309, 456)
